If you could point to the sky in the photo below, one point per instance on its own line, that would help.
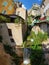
(27, 4)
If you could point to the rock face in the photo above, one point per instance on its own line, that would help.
(5, 59)
(19, 52)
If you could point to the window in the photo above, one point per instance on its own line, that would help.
(4, 12)
(10, 7)
(5, 3)
(10, 32)
(12, 40)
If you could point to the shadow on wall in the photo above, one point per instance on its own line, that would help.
(10, 44)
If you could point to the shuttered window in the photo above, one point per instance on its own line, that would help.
(10, 7)
(4, 12)
(5, 3)
(10, 32)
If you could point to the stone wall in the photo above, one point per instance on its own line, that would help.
(5, 59)
(21, 12)
(18, 32)
(42, 27)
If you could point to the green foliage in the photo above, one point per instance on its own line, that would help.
(37, 38)
(32, 35)
(7, 20)
(17, 20)
(36, 47)
(24, 44)
(29, 20)
(10, 51)
(37, 57)
(4, 19)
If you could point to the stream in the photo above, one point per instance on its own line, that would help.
(26, 56)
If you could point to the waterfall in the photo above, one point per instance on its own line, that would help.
(26, 56)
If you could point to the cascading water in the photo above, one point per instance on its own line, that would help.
(26, 56)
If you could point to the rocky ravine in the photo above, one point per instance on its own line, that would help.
(5, 59)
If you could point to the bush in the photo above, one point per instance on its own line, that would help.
(29, 21)
(10, 51)
(17, 20)
(37, 38)
(4, 19)
(37, 57)
(37, 52)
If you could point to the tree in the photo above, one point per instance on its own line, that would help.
(29, 20)
(4, 19)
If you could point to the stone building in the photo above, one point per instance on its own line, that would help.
(40, 9)
(35, 10)
(13, 33)
(41, 26)
(21, 12)
(45, 6)
(7, 6)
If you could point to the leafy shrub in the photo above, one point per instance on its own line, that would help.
(4, 19)
(37, 57)
(29, 20)
(37, 52)
(17, 20)
(38, 38)
(10, 51)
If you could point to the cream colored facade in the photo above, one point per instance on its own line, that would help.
(21, 12)
(18, 33)
(46, 2)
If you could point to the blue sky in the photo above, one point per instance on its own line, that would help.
(28, 3)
